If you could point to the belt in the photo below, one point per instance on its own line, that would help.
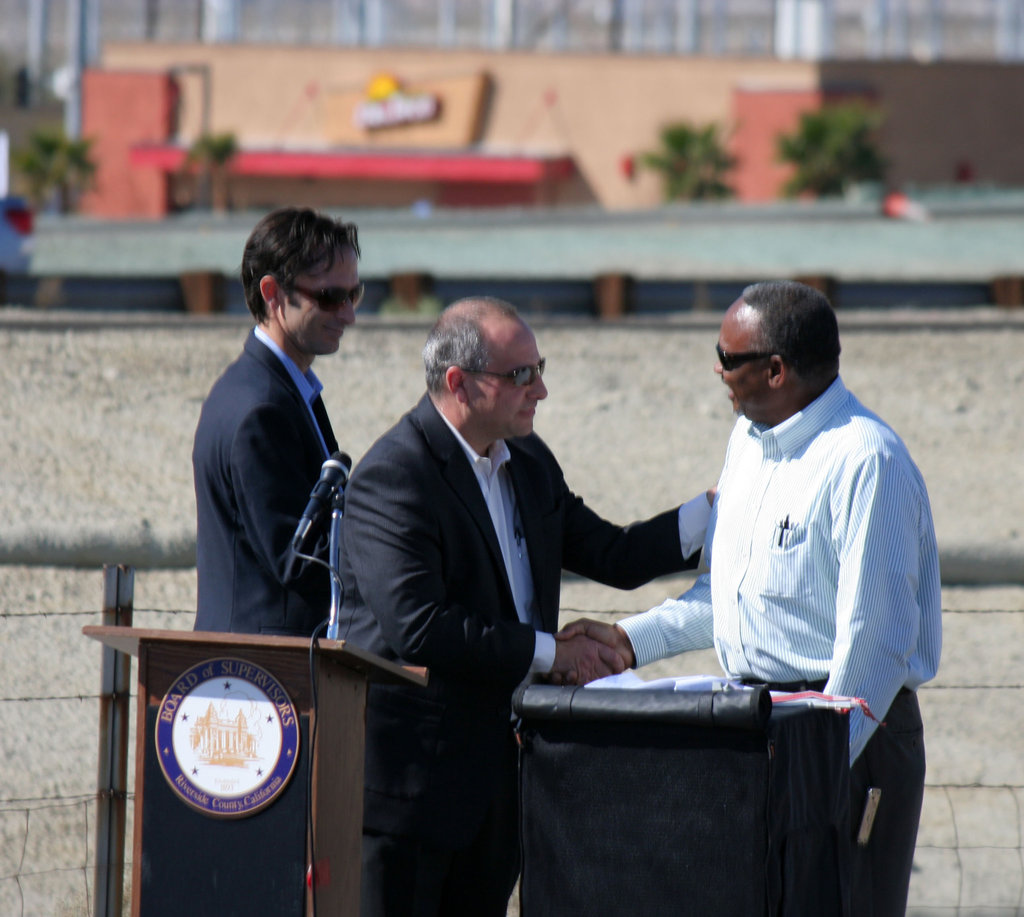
(794, 687)
(787, 687)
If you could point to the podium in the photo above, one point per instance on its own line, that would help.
(231, 769)
(710, 804)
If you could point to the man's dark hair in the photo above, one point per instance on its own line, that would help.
(288, 242)
(798, 323)
(457, 339)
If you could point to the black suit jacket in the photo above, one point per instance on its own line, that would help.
(425, 584)
(255, 460)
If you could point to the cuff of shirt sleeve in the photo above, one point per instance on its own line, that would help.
(645, 636)
(543, 653)
(694, 516)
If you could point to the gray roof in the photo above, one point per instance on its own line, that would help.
(962, 241)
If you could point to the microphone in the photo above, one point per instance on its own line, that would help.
(333, 478)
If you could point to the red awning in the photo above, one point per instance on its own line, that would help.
(383, 164)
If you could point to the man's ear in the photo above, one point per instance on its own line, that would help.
(778, 372)
(271, 291)
(454, 380)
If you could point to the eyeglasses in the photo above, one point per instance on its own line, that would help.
(730, 361)
(520, 377)
(332, 298)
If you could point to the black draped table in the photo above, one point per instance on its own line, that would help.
(653, 802)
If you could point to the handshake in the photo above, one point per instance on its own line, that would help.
(585, 650)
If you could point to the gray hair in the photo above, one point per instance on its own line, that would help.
(798, 323)
(458, 340)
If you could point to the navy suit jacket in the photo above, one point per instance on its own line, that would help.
(425, 584)
(255, 460)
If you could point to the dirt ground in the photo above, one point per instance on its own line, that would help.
(95, 445)
(96, 431)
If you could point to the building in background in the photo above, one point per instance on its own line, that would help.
(401, 127)
(449, 103)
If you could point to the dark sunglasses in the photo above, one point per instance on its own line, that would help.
(520, 377)
(730, 361)
(331, 298)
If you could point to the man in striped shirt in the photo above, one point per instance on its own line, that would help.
(823, 565)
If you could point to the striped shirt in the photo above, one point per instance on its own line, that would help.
(822, 562)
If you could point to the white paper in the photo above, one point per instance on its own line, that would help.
(629, 679)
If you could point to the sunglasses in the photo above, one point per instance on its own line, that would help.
(520, 377)
(332, 298)
(730, 361)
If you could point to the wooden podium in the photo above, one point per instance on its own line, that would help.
(245, 851)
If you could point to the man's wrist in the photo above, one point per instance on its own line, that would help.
(637, 634)
(543, 653)
(627, 651)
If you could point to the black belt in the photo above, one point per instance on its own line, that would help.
(795, 687)
(788, 687)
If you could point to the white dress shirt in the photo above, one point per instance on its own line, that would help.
(823, 562)
(496, 486)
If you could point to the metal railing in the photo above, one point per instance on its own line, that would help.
(38, 34)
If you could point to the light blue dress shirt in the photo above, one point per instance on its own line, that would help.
(308, 384)
(822, 562)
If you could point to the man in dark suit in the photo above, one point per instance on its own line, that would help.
(458, 524)
(263, 433)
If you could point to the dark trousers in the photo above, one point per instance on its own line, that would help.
(405, 877)
(893, 760)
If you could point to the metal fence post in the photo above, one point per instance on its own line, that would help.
(112, 772)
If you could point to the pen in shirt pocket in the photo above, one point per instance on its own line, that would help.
(784, 528)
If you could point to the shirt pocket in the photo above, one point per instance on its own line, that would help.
(789, 563)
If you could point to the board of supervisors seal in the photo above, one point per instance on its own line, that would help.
(227, 737)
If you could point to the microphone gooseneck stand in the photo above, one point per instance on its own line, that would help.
(333, 555)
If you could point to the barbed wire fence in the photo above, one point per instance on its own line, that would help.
(48, 835)
(58, 847)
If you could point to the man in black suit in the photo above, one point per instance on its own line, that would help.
(263, 433)
(458, 524)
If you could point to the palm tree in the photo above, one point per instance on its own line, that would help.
(693, 163)
(52, 164)
(212, 155)
(832, 149)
